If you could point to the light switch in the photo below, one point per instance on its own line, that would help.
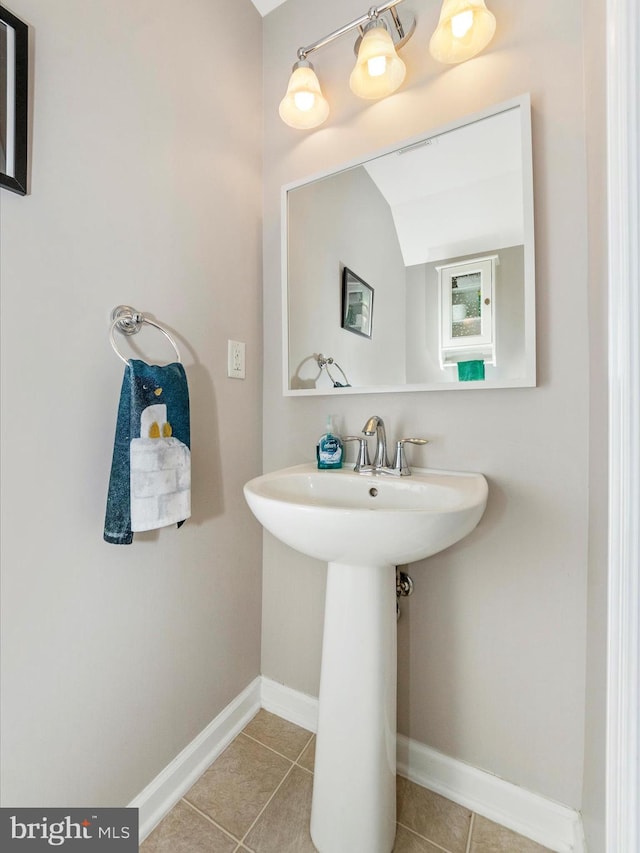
(235, 359)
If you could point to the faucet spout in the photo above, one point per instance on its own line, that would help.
(375, 426)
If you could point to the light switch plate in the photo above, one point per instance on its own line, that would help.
(235, 359)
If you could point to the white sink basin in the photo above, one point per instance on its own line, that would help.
(344, 517)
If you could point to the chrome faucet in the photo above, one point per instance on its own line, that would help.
(375, 426)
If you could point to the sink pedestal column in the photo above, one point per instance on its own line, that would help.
(354, 791)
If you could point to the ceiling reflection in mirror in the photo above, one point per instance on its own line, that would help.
(440, 230)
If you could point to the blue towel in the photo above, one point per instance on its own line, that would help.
(150, 483)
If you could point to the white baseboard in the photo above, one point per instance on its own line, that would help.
(545, 821)
(161, 795)
(554, 826)
(292, 705)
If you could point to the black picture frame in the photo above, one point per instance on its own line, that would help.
(357, 304)
(14, 99)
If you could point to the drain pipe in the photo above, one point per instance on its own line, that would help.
(404, 587)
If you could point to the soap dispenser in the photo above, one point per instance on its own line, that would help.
(329, 449)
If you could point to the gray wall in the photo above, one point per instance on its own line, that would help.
(345, 222)
(146, 190)
(492, 645)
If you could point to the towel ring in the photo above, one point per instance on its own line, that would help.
(128, 321)
(324, 363)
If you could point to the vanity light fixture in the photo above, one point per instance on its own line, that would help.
(465, 28)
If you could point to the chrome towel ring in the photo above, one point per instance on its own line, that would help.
(128, 321)
(324, 363)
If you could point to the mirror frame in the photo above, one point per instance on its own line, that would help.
(528, 380)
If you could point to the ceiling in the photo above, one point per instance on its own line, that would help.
(265, 6)
(458, 193)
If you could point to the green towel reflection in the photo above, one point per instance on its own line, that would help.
(468, 371)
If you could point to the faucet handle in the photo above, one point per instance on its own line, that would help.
(400, 462)
(363, 462)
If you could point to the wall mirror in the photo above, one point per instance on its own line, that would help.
(441, 229)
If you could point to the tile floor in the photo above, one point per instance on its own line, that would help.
(257, 797)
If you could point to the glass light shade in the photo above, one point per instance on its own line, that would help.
(378, 71)
(465, 28)
(304, 106)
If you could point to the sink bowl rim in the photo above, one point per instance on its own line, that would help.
(477, 496)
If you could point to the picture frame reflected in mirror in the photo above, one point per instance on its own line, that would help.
(357, 304)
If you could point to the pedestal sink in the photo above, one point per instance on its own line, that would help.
(363, 526)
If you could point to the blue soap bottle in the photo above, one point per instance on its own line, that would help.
(329, 449)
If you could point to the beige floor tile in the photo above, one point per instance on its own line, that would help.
(185, 831)
(283, 827)
(441, 821)
(308, 757)
(285, 737)
(238, 784)
(489, 837)
(407, 842)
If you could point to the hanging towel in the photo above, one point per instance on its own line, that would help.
(470, 370)
(150, 483)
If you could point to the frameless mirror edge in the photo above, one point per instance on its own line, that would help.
(529, 379)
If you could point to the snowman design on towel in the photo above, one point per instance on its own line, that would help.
(160, 468)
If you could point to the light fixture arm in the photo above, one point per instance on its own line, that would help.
(373, 13)
(398, 23)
